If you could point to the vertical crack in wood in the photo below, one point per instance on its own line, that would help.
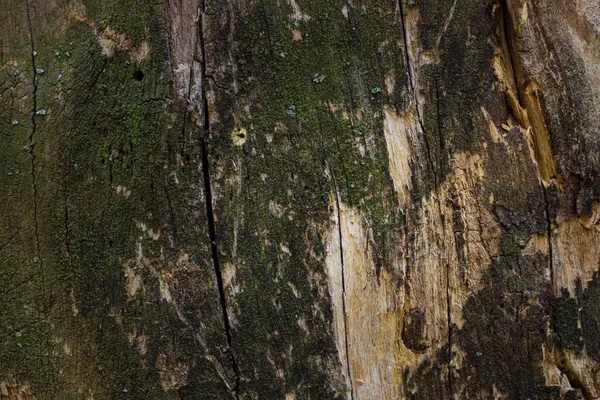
(512, 57)
(522, 95)
(32, 135)
(209, 206)
(413, 87)
(445, 261)
(38, 256)
(448, 294)
(513, 60)
(562, 362)
(449, 318)
(339, 213)
(341, 241)
(412, 83)
(549, 237)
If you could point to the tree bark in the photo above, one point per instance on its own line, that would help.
(374, 199)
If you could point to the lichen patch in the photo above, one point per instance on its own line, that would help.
(297, 14)
(133, 281)
(138, 339)
(123, 190)
(296, 34)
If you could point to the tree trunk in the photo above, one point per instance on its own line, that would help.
(354, 199)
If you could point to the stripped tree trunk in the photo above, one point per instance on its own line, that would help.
(293, 199)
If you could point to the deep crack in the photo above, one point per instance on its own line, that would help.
(38, 256)
(340, 236)
(33, 132)
(562, 361)
(513, 60)
(413, 87)
(209, 206)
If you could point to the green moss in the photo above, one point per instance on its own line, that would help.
(136, 20)
(289, 169)
(73, 329)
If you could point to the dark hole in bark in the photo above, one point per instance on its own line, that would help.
(138, 75)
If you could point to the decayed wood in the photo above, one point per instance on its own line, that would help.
(300, 199)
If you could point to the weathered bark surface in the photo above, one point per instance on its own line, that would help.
(300, 199)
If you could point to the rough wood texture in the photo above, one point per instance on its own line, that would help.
(291, 199)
